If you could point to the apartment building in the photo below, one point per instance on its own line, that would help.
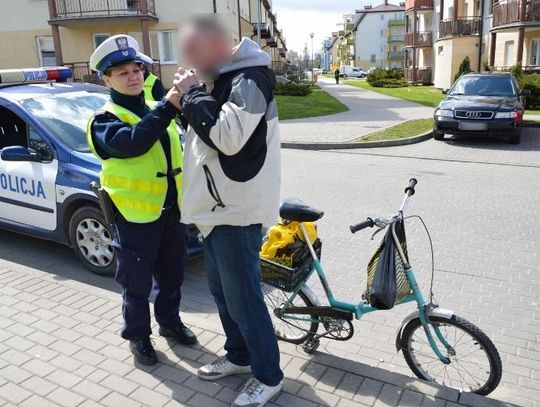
(378, 35)
(515, 34)
(66, 32)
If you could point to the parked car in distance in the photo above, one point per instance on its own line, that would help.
(481, 104)
(352, 72)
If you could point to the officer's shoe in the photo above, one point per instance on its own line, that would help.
(180, 333)
(143, 351)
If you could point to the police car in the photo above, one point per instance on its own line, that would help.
(46, 166)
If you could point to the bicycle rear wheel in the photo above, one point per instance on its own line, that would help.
(290, 327)
(475, 365)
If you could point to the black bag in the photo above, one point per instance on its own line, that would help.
(387, 282)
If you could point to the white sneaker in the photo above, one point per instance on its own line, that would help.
(221, 367)
(255, 394)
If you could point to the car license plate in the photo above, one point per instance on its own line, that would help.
(472, 126)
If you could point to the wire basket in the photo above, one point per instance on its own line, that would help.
(289, 278)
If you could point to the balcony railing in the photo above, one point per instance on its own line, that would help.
(419, 39)
(396, 22)
(76, 9)
(418, 5)
(460, 27)
(266, 32)
(395, 55)
(396, 38)
(419, 75)
(516, 11)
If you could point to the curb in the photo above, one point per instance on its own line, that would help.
(350, 146)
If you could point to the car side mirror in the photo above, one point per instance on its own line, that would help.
(525, 92)
(19, 153)
(444, 91)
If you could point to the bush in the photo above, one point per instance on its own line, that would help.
(531, 82)
(292, 89)
(464, 67)
(384, 75)
(389, 83)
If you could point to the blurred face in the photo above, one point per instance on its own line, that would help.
(127, 79)
(205, 51)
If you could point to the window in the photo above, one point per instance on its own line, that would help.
(534, 53)
(373, 58)
(381, 49)
(36, 143)
(381, 33)
(167, 47)
(99, 38)
(382, 17)
(46, 54)
(440, 51)
(508, 53)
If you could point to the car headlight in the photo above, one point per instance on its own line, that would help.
(506, 115)
(444, 113)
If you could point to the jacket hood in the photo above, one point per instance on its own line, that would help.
(245, 55)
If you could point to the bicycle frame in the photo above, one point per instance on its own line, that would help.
(363, 307)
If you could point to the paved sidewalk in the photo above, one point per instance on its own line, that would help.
(368, 112)
(59, 346)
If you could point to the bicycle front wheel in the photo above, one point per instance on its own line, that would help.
(475, 365)
(289, 327)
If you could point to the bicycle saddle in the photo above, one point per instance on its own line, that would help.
(295, 210)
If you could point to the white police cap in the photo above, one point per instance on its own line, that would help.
(115, 50)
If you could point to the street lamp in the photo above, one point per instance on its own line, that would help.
(312, 59)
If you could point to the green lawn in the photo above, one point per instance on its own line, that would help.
(318, 103)
(424, 95)
(403, 130)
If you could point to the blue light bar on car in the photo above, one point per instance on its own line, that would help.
(13, 76)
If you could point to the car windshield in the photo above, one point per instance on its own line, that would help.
(66, 115)
(484, 86)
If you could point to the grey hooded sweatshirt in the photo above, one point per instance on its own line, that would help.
(232, 156)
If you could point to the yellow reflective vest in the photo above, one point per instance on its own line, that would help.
(149, 85)
(138, 185)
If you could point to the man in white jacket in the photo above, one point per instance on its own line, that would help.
(231, 188)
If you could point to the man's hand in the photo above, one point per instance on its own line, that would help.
(173, 96)
(184, 79)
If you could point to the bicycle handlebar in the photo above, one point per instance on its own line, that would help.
(380, 222)
(368, 223)
(410, 189)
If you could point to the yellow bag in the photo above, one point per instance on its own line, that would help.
(283, 235)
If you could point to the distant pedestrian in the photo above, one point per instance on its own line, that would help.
(336, 75)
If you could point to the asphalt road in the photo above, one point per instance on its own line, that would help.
(481, 202)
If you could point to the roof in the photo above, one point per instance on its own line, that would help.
(381, 8)
(17, 92)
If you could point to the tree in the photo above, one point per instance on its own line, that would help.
(464, 67)
(293, 57)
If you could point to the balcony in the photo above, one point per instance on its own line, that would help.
(272, 42)
(422, 76)
(282, 52)
(396, 38)
(461, 27)
(68, 12)
(515, 12)
(265, 30)
(423, 39)
(418, 5)
(395, 55)
(396, 22)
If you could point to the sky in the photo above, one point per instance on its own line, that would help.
(299, 18)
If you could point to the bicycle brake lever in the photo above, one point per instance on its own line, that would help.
(376, 232)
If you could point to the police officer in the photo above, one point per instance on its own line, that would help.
(153, 87)
(139, 147)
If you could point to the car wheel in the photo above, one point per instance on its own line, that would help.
(438, 135)
(515, 138)
(92, 241)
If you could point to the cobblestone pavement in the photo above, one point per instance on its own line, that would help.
(59, 342)
(368, 112)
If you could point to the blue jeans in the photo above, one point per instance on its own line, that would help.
(231, 256)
